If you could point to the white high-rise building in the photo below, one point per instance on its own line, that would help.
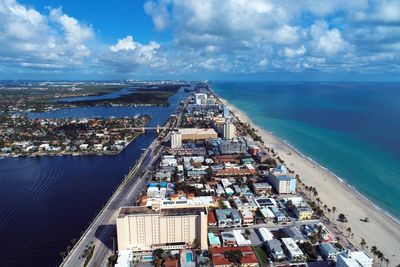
(229, 130)
(200, 98)
(144, 229)
(176, 139)
(226, 112)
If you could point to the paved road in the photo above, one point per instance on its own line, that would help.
(102, 231)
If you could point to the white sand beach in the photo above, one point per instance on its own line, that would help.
(381, 230)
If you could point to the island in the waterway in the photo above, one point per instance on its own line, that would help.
(22, 136)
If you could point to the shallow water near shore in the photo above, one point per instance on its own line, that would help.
(350, 128)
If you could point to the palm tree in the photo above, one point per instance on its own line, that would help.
(333, 211)
(363, 243)
(381, 257)
(318, 201)
(348, 231)
(325, 207)
(315, 192)
(374, 250)
(387, 261)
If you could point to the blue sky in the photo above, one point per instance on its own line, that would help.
(208, 39)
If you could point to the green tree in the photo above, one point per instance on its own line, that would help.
(234, 256)
(363, 243)
(374, 250)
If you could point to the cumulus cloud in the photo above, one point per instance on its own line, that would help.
(127, 55)
(213, 36)
(293, 35)
(325, 40)
(31, 39)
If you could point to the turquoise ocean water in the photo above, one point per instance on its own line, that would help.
(353, 129)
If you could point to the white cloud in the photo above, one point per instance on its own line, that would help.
(75, 32)
(263, 62)
(294, 52)
(286, 35)
(159, 14)
(325, 40)
(29, 38)
(124, 44)
(127, 55)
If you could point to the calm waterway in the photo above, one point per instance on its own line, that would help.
(45, 202)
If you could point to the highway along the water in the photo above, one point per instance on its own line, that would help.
(48, 201)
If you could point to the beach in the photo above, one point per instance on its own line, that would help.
(381, 231)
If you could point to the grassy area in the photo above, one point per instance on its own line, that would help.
(261, 255)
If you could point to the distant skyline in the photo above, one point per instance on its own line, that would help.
(340, 40)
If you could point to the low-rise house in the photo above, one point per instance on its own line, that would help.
(264, 234)
(212, 221)
(294, 233)
(168, 160)
(241, 240)
(228, 238)
(248, 160)
(303, 212)
(241, 190)
(213, 240)
(275, 249)
(98, 147)
(84, 146)
(354, 258)
(171, 262)
(280, 216)
(328, 251)
(248, 259)
(247, 217)
(240, 205)
(267, 214)
(263, 202)
(293, 251)
(228, 217)
(280, 170)
(163, 175)
(262, 189)
(262, 156)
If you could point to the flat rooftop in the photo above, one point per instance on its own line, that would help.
(137, 210)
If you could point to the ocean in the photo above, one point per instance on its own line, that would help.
(353, 129)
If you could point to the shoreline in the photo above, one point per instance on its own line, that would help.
(383, 229)
(340, 179)
(73, 154)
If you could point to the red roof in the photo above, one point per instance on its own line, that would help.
(211, 218)
(218, 257)
(171, 262)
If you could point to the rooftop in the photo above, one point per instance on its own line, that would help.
(218, 257)
(134, 210)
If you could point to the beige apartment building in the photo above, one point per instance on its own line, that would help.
(144, 229)
(197, 133)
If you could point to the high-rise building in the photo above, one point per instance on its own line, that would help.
(229, 130)
(145, 229)
(176, 140)
(200, 98)
(283, 184)
(226, 112)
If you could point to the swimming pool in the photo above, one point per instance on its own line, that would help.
(147, 258)
(189, 256)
